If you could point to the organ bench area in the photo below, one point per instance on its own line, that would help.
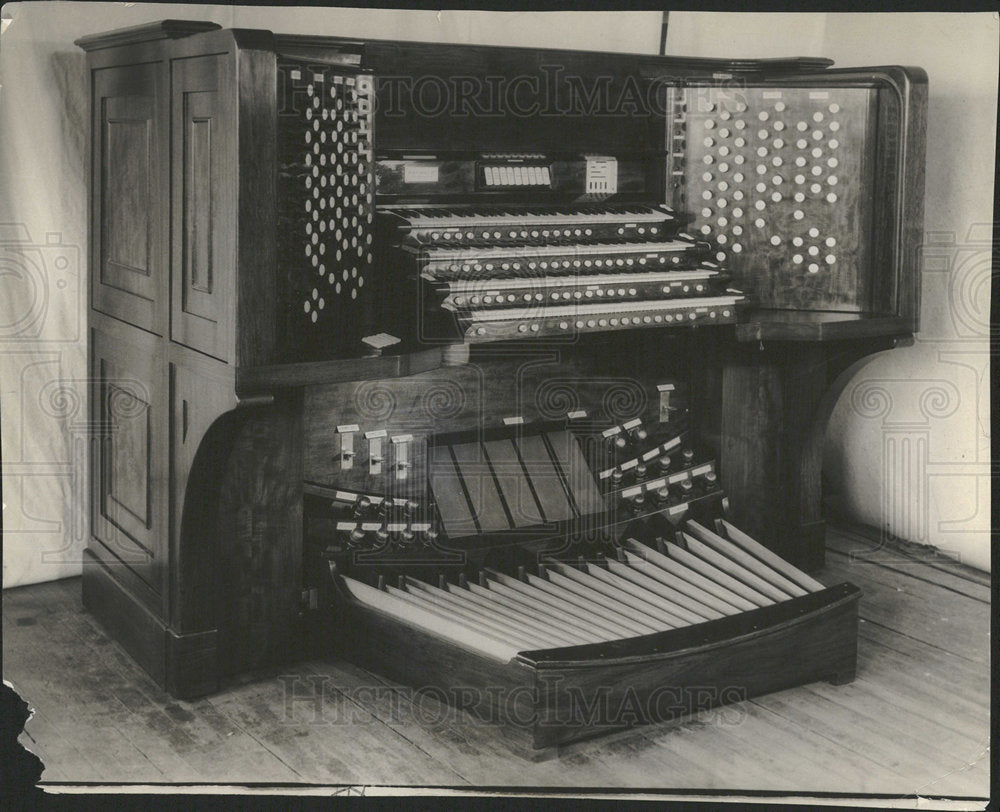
(498, 370)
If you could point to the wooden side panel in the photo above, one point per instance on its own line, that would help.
(201, 393)
(256, 123)
(130, 466)
(129, 211)
(203, 240)
(775, 407)
(258, 538)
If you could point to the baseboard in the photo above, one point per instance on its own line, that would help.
(127, 620)
(185, 665)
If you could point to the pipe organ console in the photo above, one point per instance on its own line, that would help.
(499, 370)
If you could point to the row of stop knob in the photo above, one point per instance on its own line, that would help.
(362, 507)
(407, 536)
(670, 494)
(638, 473)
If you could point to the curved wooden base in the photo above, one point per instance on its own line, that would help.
(556, 696)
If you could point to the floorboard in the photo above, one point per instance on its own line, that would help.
(916, 719)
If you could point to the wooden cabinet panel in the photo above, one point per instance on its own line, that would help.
(201, 391)
(129, 469)
(129, 228)
(203, 175)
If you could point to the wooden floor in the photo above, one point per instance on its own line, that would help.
(915, 722)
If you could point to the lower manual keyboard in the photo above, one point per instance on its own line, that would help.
(565, 320)
(459, 294)
(559, 259)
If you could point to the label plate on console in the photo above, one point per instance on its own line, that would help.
(420, 173)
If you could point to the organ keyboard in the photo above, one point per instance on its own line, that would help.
(543, 272)
(492, 225)
(420, 387)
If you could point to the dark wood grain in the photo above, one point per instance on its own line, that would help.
(793, 325)
(258, 379)
(129, 455)
(259, 540)
(776, 401)
(204, 167)
(656, 687)
(129, 226)
(256, 252)
(148, 32)
(203, 428)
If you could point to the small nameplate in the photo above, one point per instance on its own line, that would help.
(665, 387)
(633, 491)
(612, 431)
(632, 423)
(819, 94)
(348, 428)
(702, 469)
(371, 435)
(656, 484)
(576, 415)
(630, 464)
(402, 438)
(771, 94)
(602, 175)
(420, 173)
(513, 421)
(680, 476)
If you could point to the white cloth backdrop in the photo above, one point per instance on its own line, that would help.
(43, 205)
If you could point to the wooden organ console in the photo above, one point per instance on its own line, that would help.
(499, 370)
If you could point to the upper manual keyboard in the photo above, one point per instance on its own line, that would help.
(504, 225)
